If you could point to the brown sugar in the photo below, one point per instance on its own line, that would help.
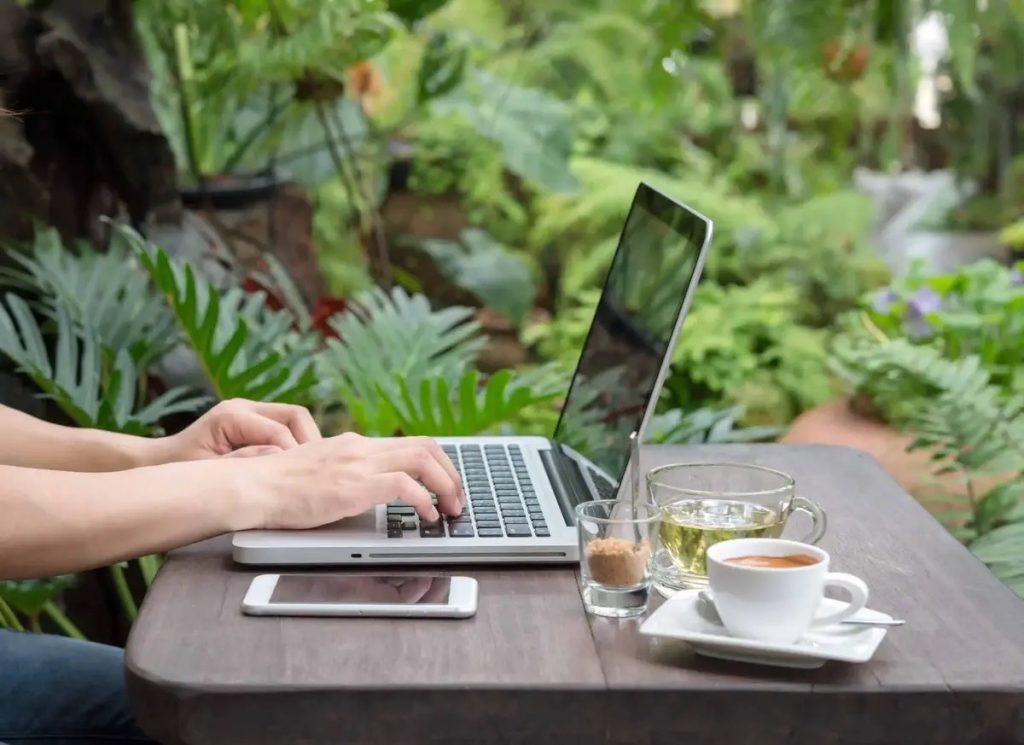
(617, 561)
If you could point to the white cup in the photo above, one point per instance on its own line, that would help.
(776, 604)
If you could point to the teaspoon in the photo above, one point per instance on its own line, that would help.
(708, 607)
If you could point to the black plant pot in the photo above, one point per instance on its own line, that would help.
(231, 191)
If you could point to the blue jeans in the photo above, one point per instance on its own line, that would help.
(57, 691)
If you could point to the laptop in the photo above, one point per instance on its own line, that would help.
(522, 491)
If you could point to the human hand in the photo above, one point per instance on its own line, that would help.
(239, 428)
(324, 481)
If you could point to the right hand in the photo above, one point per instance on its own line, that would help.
(324, 481)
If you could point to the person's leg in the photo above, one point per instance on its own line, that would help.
(57, 691)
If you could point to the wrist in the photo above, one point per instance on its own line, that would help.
(113, 451)
(247, 485)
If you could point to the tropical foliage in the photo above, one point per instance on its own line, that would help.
(939, 356)
(518, 133)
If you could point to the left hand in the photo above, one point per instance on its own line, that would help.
(240, 428)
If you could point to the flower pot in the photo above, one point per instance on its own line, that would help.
(231, 191)
(838, 423)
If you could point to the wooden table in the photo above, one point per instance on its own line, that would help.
(532, 668)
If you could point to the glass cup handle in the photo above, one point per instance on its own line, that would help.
(818, 517)
(858, 598)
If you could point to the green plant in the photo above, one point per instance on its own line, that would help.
(103, 294)
(388, 338)
(970, 426)
(499, 278)
(232, 79)
(531, 127)
(705, 425)
(244, 349)
(978, 310)
(468, 408)
(744, 345)
(450, 157)
(94, 392)
(34, 598)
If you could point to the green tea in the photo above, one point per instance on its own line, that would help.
(688, 528)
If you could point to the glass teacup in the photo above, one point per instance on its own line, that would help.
(702, 504)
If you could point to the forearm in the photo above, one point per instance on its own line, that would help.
(32, 443)
(53, 522)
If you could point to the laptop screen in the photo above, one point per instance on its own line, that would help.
(629, 338)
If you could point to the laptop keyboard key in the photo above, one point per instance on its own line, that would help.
(433, 529)
(516, 530)
(461, 530)
(542, 532)
(394, 531)
(516, 521)
(490, 533)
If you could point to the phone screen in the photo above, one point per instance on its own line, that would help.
(361, 589)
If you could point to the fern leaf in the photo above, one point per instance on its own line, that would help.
(244, 349)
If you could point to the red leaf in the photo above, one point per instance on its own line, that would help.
(325, 308)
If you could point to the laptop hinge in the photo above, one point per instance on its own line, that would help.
(566, 481)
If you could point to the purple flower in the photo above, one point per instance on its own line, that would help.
(923, 302)
(917, 328)
(1016, 277)
(884, 300)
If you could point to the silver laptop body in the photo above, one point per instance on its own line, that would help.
(522, 491)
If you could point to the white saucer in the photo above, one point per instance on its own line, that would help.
(680, 618)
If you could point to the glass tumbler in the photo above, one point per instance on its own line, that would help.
(702, 504)
(615, 549)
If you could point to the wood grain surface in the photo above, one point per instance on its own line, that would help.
(531, 667)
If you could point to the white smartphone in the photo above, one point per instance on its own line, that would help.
(383, 595)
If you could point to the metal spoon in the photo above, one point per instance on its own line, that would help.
(709, 611)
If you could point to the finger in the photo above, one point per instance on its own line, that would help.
(296, 418)
(413, 590)
(430, 445)
(253, 451)
(245, 429)
(386, 487)
(422, 466)
(438, 592)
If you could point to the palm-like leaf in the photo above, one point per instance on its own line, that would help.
(393, 339)
(91, 392)
(435, 408)
(106, 295)
(244, 349)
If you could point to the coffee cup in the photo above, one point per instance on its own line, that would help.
(769, 589)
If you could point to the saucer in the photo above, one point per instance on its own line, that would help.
(680, 618)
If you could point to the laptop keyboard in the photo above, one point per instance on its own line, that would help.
(501, 499)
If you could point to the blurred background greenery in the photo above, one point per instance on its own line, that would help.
(400, 214)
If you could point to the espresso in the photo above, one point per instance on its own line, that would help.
(774, 562)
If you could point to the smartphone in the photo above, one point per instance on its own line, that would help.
(382, 595)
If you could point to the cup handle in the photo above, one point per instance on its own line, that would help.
(858, 598)
(818, 517)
